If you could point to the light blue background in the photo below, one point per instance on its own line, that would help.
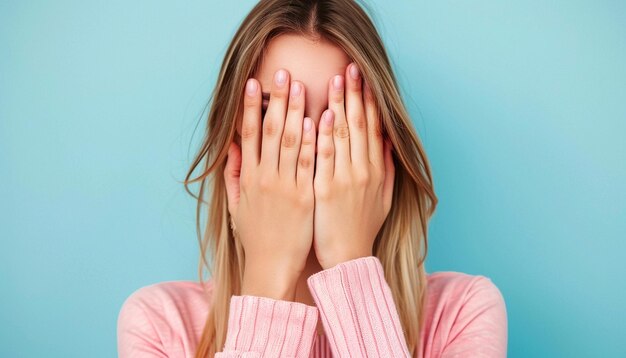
(521, 106)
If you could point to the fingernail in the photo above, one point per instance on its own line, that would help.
(295, 89)
(307, 124)
(328, 116)
(281, 77)
(250, 87)
(354, 71)
(338, 82)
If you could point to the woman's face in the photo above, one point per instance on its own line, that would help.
(312, 63)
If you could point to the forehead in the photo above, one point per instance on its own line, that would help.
(311, 62)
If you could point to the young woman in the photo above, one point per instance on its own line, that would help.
(321, 193)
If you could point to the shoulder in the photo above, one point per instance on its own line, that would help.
(464, 313)
(450, 291)
(163, 312)
(459, 286)
(162, 294)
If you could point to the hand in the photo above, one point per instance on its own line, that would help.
(271, 200)
(354, 176)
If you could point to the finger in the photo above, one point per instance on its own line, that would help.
(355, 115)
(232, 172)
(292, 134)
(274, 120)
(325, 161)
(374, 129)
(341, 133)
(306, 159)
(390, 172)
(251, 126)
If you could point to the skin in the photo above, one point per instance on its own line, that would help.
(347, 192)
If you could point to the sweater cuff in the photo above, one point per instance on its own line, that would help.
(358, 310)
(270, 327)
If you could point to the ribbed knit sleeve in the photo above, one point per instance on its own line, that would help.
(357, 310)
(265, 327)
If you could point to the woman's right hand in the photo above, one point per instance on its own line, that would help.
(269, 182)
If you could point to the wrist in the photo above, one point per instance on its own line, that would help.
(276, 292)
(330, 263)
(272, 282)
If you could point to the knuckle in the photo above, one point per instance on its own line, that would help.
(337, 98)
(305, 162)
(265, 183)
(326, 152)
(279, 95)
(344, 181)
(356, 88)
(362, 178)
(377, 130)
(306, 141)
(342, 131)
(305, 199)
(248, 131)
(295, 104)
(310, 203)
(377, 174)
(270, 128)
(289, 140)
(244, 181)
(359, 122)
(326, 131)
(250, 103)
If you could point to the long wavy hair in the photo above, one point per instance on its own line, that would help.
(401, 244)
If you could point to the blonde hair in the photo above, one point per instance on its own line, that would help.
(400, 245)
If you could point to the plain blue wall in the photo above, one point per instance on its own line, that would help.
(521, 106)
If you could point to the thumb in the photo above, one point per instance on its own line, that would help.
(232, 171)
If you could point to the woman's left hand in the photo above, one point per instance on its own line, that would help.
(354, 173)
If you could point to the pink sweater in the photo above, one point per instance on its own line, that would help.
(465, 317)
